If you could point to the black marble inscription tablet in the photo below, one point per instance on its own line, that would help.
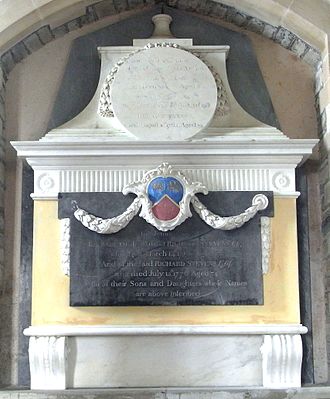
(141, 266)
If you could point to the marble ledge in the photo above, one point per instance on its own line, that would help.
(104, 330)
(276, 150)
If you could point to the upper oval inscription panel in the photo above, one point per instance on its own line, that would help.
(163, 93)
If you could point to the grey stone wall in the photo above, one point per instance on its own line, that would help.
(6, 276)
(172, 393)
(325, 206)
(324, 181)
(105, 8)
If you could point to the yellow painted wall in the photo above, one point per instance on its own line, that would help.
(50, 287)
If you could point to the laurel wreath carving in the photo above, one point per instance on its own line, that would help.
(107, 226)
(259, 202)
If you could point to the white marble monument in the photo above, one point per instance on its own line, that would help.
(164, 100)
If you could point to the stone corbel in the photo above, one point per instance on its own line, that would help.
(47, 356)
(281, 361)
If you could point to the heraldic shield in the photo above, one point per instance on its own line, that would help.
(165, 195)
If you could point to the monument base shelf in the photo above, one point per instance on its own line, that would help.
(169, 356)
(314, 392)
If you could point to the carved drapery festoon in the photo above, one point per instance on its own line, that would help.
(105, 106)
(108, 226)
(259, 202)
(164, 196)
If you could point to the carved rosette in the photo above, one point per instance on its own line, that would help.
(45, 182)
(281, 181)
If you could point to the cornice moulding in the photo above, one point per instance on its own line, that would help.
(30, 149)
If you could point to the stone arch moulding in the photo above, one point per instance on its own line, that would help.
(308, 50)
(98, 10)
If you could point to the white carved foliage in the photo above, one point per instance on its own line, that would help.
(111, 225)
(47, 357)
(65, 246)
(265, 243)
(259, 202)
(281, 361)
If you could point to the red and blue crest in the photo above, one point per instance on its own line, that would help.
(165, 194)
